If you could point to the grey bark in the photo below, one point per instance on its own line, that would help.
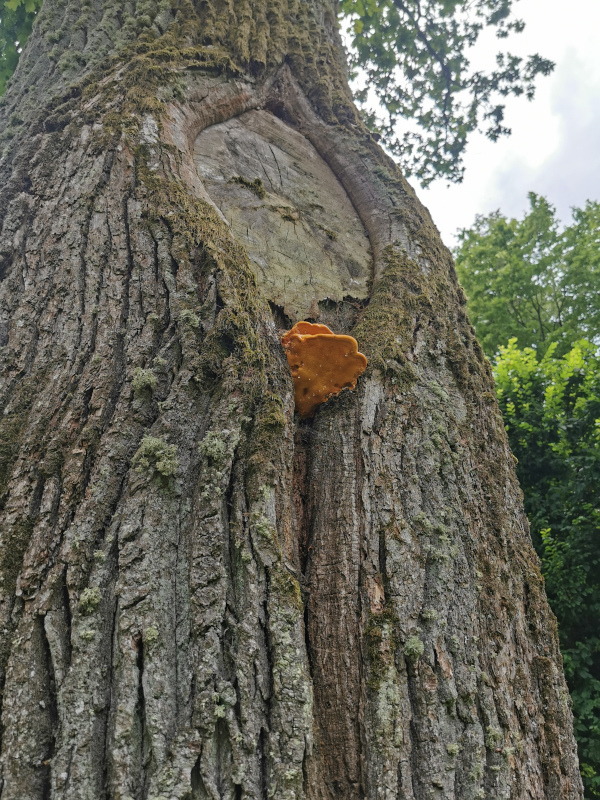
(202, 596)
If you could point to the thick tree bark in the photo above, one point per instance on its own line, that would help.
(201, 595)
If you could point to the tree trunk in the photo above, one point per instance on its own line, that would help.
(203, 596)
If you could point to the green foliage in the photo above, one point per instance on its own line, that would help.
(551, 409)
(538, 288)
(16, 19)
(529, 280)
(414, 54)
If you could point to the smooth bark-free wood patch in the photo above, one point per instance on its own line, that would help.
(304, 238)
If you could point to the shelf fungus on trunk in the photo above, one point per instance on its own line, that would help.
(322, 364)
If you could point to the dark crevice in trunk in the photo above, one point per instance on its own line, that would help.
(305, 775)
(119, 361)
(139, 599)
(230, 546)
(2, 684)
(110, 507)
(223, 758)
(5, 266)
(178, 356)
(415, 334)
(263, 736)
(110, 512)
(331, 604)
(229, 634)
(36, 497)
(101, 184)
(51, 710)
(302, 438)
(300, 488)
(383, 564)
(414, 738)
(192, 699)
(66, 603)
(130, 267)
(108, 713)
(341, 316)
(155, 259)
(54, 523)
(362, 612)
(26, 225)
(487, 778)
(176, 621)
(282, 321)
(85, 234)
(85, 401)
(307, 640)
(262, 754)
(32, 350)
(198, 788)
(140, 713)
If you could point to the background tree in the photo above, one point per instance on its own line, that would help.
(415, 57)
(529, 280)
(202, 596)
(551, 409)
(16, 20)
(535, 288)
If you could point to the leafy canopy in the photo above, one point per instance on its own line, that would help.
(16, 19)
(529, 280)
(414, 53)
(534, 297)
(551, 409)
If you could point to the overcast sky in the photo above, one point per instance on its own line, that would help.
(554, 148)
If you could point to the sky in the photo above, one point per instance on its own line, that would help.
(554, 149)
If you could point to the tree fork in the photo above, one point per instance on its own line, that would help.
(201, 596)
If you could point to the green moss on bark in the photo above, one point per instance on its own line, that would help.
(381, 642)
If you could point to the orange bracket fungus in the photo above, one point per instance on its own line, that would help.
(322, 364)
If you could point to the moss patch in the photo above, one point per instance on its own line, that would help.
(89, 600)
(413, 648)
(144, 381)
(155, 456)
(256, 186)
(381, 642)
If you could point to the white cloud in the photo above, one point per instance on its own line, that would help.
(554, 146)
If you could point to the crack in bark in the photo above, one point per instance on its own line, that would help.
(52, 712)
(321, 560)
(109, 708)
(145, 753)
